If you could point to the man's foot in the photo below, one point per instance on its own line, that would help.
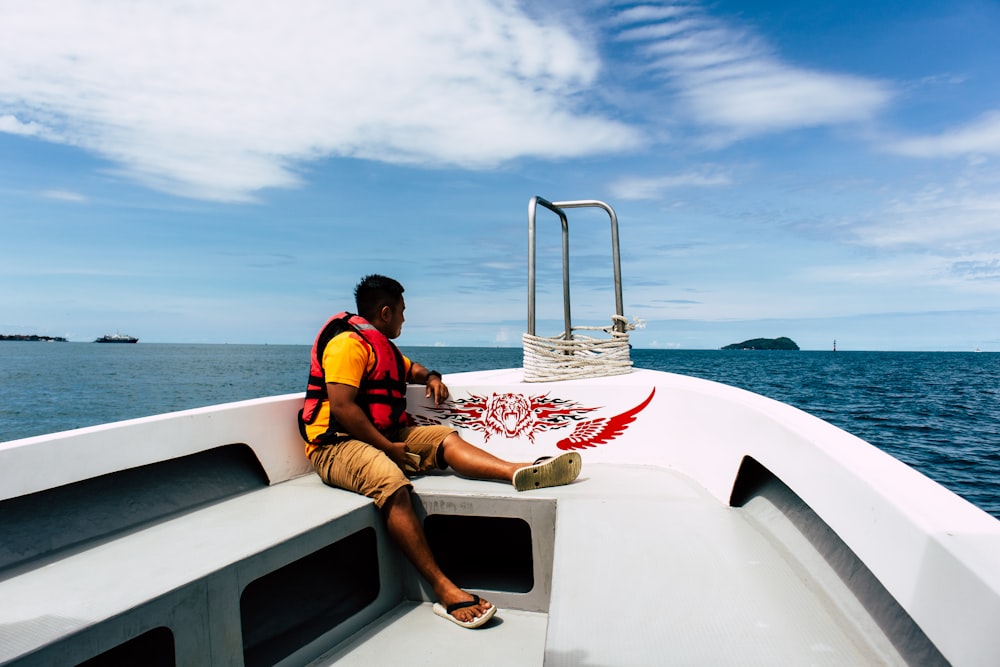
(548, 471)
(468, 613)
(465, 609)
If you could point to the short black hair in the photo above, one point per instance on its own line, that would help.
(374, 292)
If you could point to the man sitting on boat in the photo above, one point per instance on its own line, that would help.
(359, 436)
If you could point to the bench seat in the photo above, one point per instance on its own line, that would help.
(176, 563)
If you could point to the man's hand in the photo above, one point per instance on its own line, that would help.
(437, 389)
(397, 452)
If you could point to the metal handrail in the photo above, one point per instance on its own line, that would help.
(557, 208)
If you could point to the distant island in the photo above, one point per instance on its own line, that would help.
(33, 337)
(782, 343)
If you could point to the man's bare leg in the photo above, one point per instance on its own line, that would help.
(470, 461)
(406, 530)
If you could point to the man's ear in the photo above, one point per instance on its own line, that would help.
(385, 313)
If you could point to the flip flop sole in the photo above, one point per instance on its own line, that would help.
(557, 471)
(443, 613)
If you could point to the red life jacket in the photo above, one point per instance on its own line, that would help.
(382, 394)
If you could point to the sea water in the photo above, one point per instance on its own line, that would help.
(936, 411)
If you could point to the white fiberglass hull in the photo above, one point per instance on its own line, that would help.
(710, 526)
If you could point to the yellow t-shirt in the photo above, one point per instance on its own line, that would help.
(346, 360)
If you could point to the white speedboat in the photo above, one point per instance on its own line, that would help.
(710, 526)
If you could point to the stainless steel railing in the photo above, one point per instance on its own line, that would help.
(557, 208)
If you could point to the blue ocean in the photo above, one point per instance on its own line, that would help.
(936, 411)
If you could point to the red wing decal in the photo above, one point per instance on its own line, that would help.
(598, 431)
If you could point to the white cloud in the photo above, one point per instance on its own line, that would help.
(941, 219)
(980, 137)
(730, 81)
(641, 13)
(944, 234)
(65, 195)
(219, 99)
(769, 96)
(12, 125)
(660, 30)
(654, 187)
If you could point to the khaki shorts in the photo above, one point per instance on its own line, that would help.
(362, 468)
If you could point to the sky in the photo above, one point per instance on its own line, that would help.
(225, 172)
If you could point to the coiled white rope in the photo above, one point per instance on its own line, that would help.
(551, 359)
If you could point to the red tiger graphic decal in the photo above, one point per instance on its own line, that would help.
(513, 416)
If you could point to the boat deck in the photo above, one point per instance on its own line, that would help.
(646, 564)
(630, 564)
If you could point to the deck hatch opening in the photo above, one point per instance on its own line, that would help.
(154, 648)
(483, 552)
(294, 605)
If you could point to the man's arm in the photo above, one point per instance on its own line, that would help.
(419, 374)
(353, 419)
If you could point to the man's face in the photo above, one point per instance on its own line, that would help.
(395, 319)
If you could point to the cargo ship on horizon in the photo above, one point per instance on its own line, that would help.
(116, 338)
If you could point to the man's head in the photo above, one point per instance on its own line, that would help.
(380, 301)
